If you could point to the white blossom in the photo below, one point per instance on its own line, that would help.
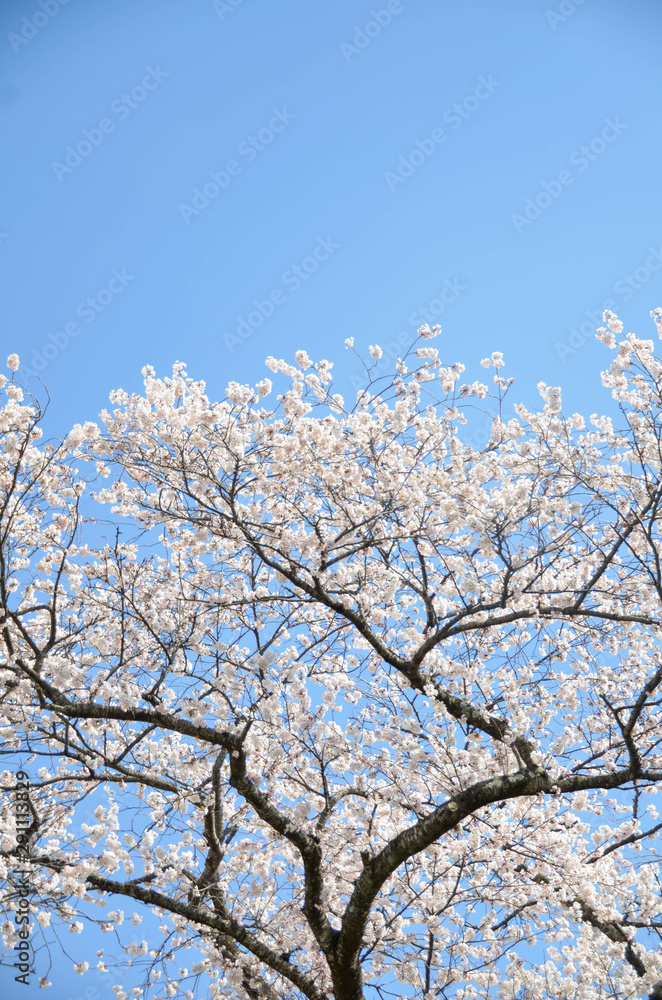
(411, 645)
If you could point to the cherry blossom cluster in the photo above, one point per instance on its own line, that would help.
(336, 698)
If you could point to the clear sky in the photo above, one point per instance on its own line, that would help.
(215, 182)
(409, 148)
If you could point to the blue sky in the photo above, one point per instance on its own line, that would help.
(355, 101)
(358, 168)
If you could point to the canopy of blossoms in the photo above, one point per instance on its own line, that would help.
(355, 708)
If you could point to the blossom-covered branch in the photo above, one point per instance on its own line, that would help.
(343, 703)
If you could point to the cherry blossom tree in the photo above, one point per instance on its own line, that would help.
(349, 706)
